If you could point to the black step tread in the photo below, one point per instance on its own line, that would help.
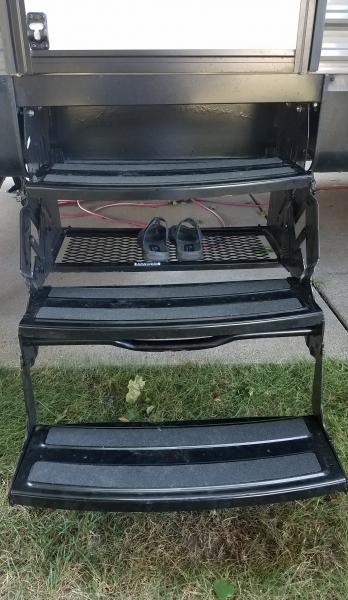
(161, 478)
(164, 173)
(182, 164)
(172, 290)
(235, 300)
(176, 465)
(171, 311)
(158, 436)
(159, 313)
(181, 178)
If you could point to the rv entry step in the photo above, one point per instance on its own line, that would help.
(174, 466)
(107, 314)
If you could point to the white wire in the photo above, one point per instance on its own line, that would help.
(90, 212)
(213, 212)
(94, 213)
(118, 219)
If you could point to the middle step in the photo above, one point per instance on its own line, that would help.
(97, 314)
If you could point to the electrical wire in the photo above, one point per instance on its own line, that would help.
(95, 212)
(197, 201)
(159, 204)
(207, 208)
(201, 202)
(105, 218)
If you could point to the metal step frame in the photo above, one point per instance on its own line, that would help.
(97, 472)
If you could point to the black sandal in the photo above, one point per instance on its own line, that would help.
(154, 240)
(187, 237)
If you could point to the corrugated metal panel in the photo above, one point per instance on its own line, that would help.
(334, 56)
(2, 57)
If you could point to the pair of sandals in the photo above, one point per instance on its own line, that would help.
(187, 237)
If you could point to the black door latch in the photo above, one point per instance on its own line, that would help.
(37, 31)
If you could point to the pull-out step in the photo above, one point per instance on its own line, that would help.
(176, 466)
(174, 178)
(58, 315)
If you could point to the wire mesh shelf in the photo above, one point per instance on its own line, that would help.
(118, 249)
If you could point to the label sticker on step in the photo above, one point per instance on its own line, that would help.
(146, 264)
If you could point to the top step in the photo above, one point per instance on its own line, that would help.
(175, 178)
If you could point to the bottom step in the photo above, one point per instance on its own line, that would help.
(176, 466)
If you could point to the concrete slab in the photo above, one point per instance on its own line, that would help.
(13, 292)
(331, 277)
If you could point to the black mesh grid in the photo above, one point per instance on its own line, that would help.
(112, 249)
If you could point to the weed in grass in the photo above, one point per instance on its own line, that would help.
(280, 552)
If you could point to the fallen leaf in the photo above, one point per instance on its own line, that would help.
(135, 387)
(224, 589)
(149, 410)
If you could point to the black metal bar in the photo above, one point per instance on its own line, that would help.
(44, 334)
(285, 211)
(281, 226)
(149, 193)
(174, 345)
(315, 343)
(160, 88)
(202, 343)
(17, 36)
(162, 54)
(28, 356)
(25, 249)
(312, 234)
(11, 156)
(6, 37)
(44, 245)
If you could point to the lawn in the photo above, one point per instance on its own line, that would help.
(280, 552)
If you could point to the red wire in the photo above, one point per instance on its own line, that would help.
(103, 217)
(159, 204)
(198, 201)
(212, 201)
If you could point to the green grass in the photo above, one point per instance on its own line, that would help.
(281, 552)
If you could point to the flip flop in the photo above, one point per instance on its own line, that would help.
(187, 237)
(154, 240)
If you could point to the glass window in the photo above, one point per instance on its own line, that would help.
(170, 24)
